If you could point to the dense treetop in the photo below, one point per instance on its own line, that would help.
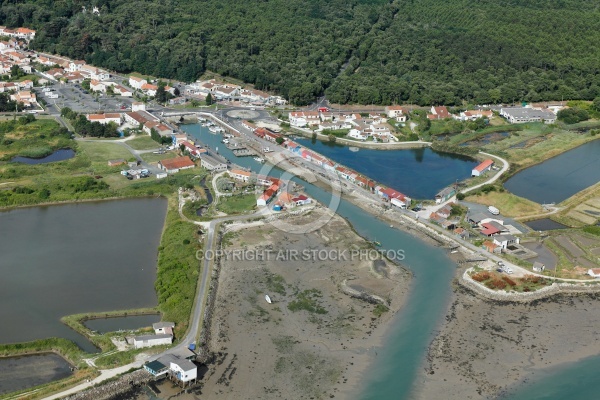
(422, 51)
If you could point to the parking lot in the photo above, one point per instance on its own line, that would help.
(80, 100)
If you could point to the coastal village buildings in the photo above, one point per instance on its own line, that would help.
(519, 115)
(482, 168)
(174, 165)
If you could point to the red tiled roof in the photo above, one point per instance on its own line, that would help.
(484, 165)
(177, 163)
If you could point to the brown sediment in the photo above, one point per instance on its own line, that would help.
(488, 346)
(273, 351)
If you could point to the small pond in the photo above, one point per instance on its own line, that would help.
(544, 224)
(58, 155)
(18, 373)
(125, 323)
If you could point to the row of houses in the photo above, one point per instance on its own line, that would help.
(22, 33)
(228, 91)
(390, 195)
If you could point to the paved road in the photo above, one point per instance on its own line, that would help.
(505, 166)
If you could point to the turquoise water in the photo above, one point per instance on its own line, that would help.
(578, 381)
(419, 173)
(393, 373)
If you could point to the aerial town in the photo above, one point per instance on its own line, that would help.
(223, 178)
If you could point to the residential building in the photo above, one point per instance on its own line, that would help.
(301, 200)
(304, 118)
(136, 118)
(136, 82)
(519, 115)
(440, 112)
(482, 168)
(505, 240)
(124, 92)
(472, 115)
(105, 118)
(594, 272)
(240, 175)
(174, 165)
(184, 370)
(149, 89)
(267, 195)
(396, 112)
(75, 66)
(138, 106)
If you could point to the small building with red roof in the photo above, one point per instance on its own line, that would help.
(483, 167)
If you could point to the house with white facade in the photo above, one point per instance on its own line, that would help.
(396, 112)
(184, 370)
(304, 118)
(136, 82)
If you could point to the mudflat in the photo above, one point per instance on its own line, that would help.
(317, 337)
(486, 347)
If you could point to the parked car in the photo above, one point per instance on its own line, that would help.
(508, 270)
(499, 270)
(500, 263)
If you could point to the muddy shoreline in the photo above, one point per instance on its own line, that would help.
(487, 348)
(318, 336)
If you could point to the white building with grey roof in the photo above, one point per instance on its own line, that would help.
(519, 115)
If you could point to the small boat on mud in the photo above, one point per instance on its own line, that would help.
(267, 298)
(376, 243)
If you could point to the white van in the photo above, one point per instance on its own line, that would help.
(493, 210)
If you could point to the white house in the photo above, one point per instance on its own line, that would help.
(123, 91)
(151, 340)
(304, 118)
(136, 82)
(138, 106)
(75, 66)
(184, 370)
(226, 92)
(240, 175)
(97, 86)
(105, 118)
(396, 112)
(505, 240)
(594, 272)
(301, 200)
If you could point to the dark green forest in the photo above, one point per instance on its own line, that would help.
(355, 51)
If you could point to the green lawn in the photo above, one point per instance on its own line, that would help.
(143, 143)
(237, 204)
(152, 158)
(104, 151)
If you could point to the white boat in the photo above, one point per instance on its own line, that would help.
(354, 149)
(267, 298)
(260, 160)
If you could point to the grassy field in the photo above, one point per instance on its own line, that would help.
(152, 158)
(143, 143)
(508, 204)
(178, 269)
(34, 139)
(237, 204)
(104, 151)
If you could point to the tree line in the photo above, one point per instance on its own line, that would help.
(356, 51)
